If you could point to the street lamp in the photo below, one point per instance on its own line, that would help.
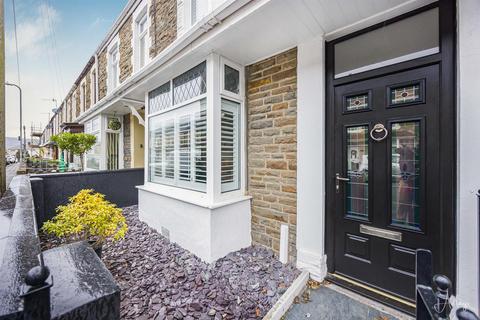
(20, 138)
(20, 91)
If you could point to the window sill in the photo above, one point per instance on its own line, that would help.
(186, 196)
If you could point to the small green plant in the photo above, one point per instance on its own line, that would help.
(88, 216)
(76, 143)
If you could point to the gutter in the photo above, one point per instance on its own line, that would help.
(203, 26)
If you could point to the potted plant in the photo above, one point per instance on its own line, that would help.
(89, 217)
(114, 124)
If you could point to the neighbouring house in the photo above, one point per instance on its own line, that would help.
(339, 134)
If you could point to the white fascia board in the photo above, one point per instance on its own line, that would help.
(228, 8)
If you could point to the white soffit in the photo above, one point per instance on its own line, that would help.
(250, 35)
(282, 24)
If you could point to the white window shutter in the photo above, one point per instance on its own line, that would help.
(201, 146)
(230, 146)
(180, 16)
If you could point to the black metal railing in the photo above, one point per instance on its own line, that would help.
(434, 303)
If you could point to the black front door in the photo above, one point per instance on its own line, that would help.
(386, 172)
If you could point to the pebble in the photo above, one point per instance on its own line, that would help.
(160, 280)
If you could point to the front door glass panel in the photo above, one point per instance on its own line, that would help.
(405, 155)
(357, 172)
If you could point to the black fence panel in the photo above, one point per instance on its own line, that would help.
(51, 190)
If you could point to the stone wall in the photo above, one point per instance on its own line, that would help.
(88, 93)
(127, 142)
(125, 35)
(102, 74)
(77, 102)
(163, 27)
(272, 146)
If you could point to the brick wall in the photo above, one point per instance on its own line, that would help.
(125, 35)
(102, 74)
(272, 148)
(163, 28)
(127, 142)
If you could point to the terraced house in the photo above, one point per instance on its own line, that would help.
(340, 134)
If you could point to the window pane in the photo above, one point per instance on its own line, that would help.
(417, 35)
(194, 11)
(142, 51)
(184, 145)
(201, 146)
(156, 149)
(190, 84)
(405, 94)
(230, 145)
(159, 98)
(169, 150)
(178, 147)
(357, 166)
(93, 162)
(406, 174)
(232, 80)
(357, 102)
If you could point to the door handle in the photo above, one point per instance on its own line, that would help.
(337, 181)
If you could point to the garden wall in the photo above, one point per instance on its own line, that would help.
(52, 190)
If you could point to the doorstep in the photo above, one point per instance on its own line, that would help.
(329, 301)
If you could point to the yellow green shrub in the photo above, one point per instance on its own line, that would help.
(88, 216)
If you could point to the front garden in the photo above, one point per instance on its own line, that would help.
(160, 280)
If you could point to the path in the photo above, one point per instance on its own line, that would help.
(330, 302)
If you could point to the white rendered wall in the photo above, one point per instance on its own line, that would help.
(310, 157)
(209, 233)
(468, 144)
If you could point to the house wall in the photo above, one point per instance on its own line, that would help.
(88, 93)
(137, 133)
(127, 142)
(272, 148)
(163, 27)
(125, 36)
(77, 102)
(468, 173)
(311, 158)
(102, 74)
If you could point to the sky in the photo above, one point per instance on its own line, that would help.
(56, 38)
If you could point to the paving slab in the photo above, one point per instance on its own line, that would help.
(330, 302)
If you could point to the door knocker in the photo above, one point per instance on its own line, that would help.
(378, 128)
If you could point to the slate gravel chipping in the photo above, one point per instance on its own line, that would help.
(160, 280)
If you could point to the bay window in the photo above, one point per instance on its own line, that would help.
(195, 131)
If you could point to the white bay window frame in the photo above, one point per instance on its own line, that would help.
(213, 195)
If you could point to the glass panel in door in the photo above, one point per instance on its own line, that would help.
(405, 155)
(357, 172)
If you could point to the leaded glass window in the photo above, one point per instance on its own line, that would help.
(159, 99)
(357, 102)
(405, 155)
(231, 79)
(405, 94)
(190, 84)
(357, 165)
